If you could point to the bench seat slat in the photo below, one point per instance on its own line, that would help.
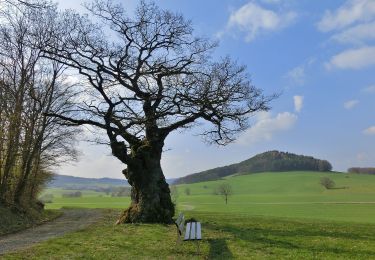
(192, 231)
(187, 231)
(199, 234)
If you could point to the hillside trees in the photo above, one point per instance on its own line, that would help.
(148, 75)
(30, 87)
(366, 170)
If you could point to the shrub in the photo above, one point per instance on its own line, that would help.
(327, 183)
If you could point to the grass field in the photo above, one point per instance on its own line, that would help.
(225, 236)
(270, 216)
(89, 199)
(296, 195)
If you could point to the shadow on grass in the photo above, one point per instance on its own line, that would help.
(219, 249)
(340, 188)
(265, 238)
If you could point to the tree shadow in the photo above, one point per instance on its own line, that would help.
(340, 188)
(279, 238)
(219, 249)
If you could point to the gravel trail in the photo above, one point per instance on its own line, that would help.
(71, 220)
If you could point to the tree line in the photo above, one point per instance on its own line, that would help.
(366, 170)
(31, 86)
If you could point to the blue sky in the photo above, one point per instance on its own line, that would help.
(319, 54)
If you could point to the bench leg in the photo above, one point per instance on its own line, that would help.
(198, 247)
(178, 237)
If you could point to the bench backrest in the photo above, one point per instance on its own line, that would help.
(180, 222)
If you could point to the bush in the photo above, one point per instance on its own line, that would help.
(327, 183)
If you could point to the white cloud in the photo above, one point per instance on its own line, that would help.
(298, 103)
(267, 126)
(297, 75)
(354, 23)
(96, 162)
(253, 19)
(369, 89)
(353, 59)
(350, 12)
(357, 34)
(351, 104)
(271, 1)
(369, 131)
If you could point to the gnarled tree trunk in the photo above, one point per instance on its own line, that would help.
(150, 196)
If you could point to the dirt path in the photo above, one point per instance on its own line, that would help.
(71, 220)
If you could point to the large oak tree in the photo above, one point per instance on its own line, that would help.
(147, 75)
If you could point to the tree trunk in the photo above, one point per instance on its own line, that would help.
(150, 196)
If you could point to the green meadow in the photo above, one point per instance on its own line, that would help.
(89, 199)
(269, 216)
(296, 195)
(225, 236)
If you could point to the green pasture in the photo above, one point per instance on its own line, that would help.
(289, 194)
(89, 199)
(225, 236)
(58, 192)
(270, 216)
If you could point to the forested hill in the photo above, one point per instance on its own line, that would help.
(272, 161)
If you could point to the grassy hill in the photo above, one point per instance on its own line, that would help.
(272, 161)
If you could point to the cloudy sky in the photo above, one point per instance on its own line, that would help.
(319, 54)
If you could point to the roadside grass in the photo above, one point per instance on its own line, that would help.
(11, 222)
(225, 236)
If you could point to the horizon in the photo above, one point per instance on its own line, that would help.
(322, 64)
(333, 171)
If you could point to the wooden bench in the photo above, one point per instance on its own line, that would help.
(192, 230)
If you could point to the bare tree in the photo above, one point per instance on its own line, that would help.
(28, 3)
(31, 86)
(145, 79)
(225, 190)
